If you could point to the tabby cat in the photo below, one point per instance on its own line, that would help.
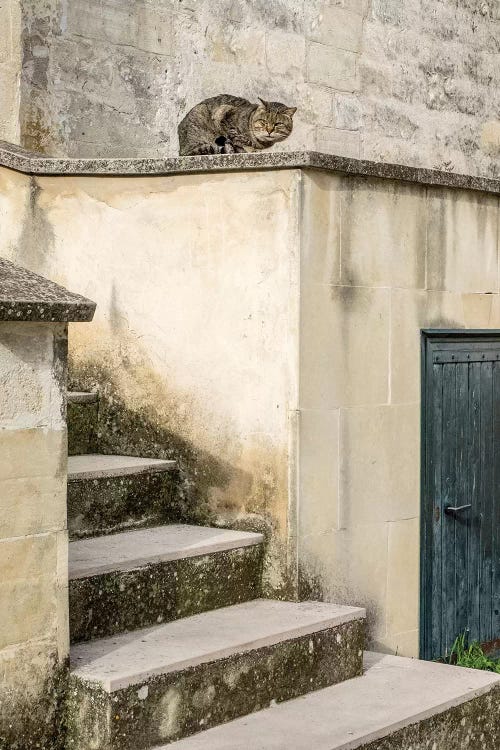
(228, 124)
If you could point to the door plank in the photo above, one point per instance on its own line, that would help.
(484, 518)
(474, 494)
(462, 524)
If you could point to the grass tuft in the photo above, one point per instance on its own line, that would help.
(471, 655)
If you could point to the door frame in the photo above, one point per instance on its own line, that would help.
(427, 337)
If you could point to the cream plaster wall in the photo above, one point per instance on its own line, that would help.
(271, 321)
(380, 260)
(196, 284)
(34, 640)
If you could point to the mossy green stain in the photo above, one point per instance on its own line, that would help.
(103, 605)
(198, 698)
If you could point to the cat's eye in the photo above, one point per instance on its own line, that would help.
(260, 123)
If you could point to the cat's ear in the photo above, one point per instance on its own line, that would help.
(290, 111)
(263, 102)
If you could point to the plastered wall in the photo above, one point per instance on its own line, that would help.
(413, 81)
(380, 261)
(195, 279)
(34, 639)
(269, 323)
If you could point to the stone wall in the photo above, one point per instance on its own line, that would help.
(409, 81)
(34, 638)
(194, 330)
(10, 69)
(270, 322)
(380, 261)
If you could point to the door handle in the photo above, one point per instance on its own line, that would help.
(451, 510)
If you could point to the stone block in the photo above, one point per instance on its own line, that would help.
(348, 112)
(345, 336)
(324, 567)
(143, 27)
(32, 505)
(224, 674)
(316, 103)
(338, 27)
(490, 138)
(31, 394)
(339, 142)
(401, 644)
(403, 582)
(462, 249)
(32, 684)
(320, 225)
(29, 454)
(115, 602)
(285, 53)
(481, 310)
(380, 463)
(383, 234)
(29, 589)
(328, 66)
(318, 472)
(368, 543)
(410, 312)
(235, 45)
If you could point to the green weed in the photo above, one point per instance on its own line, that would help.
(471, 655)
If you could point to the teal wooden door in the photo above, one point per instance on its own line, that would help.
(460, 562)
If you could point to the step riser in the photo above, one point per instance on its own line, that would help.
(169, 707)
(103, 605)
(82, 428)
(105, 505)
(474, 725)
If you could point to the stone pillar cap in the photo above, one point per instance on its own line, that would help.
(26, 296)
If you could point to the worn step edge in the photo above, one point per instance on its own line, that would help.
(129, 550)
(82, 397)
(100, 466)
(223, 631)
(393, 694)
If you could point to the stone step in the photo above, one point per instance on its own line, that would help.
(143, 577)
(113, 493)
(82, 397)
(140, 689)
(398, 704)
(83, 411)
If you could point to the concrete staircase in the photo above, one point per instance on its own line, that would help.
(173, 644)
(169, 634)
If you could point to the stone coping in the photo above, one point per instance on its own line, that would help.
(32, 163)
(27, 296)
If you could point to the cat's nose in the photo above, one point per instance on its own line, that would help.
(269, 128)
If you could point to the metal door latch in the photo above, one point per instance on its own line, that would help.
(451, 510)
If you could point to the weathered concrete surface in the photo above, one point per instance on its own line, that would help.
(82, 427)
(205, 405)
(397, 704)
(243, 352)
(33, 538)
(415, 81)
(116, 501)
(210, 669)
(25, 296)
(379, 262)
(131, 596)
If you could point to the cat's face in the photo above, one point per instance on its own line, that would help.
(272, 122)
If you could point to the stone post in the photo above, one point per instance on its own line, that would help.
(34, 641)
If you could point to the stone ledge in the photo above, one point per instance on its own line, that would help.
(31, 163)
(26, 296)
